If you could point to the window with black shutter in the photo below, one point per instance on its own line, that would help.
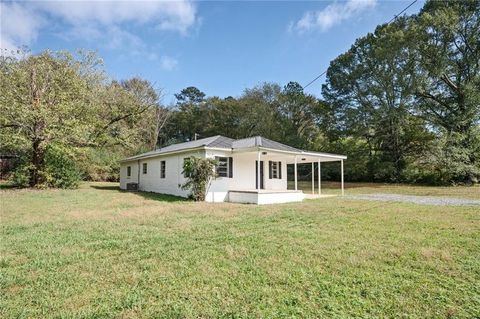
(224, 167)
(129, 171)
(144, 168)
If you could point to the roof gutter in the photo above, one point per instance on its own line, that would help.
(335, 156)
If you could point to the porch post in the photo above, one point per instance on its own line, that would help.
(341, 168)
(319, 179)
(313, 178)
(295, 172)
(258, 170)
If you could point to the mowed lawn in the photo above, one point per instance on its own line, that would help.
(97, 252)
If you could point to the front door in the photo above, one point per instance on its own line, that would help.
(261, 175)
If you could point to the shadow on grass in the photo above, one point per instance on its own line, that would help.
(5, 186)
(106, 188)
(146, 195)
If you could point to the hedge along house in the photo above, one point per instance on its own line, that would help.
(250, 170)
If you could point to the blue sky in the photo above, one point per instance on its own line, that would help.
(221, 47)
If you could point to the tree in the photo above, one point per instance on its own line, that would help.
(448, 88)
(260, 106)
(64, 103)
(153, 115)
(199, 172)
(298, 119)
(46, 99)
(372, 88)
(192, 116)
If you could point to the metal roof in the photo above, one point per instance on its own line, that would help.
(262, 142)
(219, 141)
(213, 141)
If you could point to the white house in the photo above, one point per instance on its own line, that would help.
(241, 165)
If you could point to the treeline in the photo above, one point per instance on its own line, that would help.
(403, 103)
(66, 121)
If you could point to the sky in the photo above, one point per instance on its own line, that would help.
(221, 47)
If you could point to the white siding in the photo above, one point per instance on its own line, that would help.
(151, 182)
(123, 174)
(243, 174)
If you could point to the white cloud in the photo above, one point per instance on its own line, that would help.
(99, 21)
(168, 63)
(331, 15)
(18, 26)
(168, 15)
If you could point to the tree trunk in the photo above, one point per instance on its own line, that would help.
(38, 152)
(37, 161)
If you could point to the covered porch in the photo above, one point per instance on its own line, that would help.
(314, 161)
(268, 163)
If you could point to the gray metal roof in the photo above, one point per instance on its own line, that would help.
(219, 141)
(213, 141)
(262, 142)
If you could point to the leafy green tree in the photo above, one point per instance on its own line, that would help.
(46, 99)
(199, 172)
(447, 47)
(372, 88)
(56, 98)
(298, 116)
(260, 106)
(192, 116)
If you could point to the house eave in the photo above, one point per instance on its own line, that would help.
(299, 153)
(139, 157)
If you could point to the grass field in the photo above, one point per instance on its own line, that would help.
(97, 252)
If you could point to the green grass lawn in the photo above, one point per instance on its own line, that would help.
(97, 252)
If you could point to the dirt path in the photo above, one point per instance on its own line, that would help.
(422, 200)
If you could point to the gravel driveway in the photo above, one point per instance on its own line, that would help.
(422, 200)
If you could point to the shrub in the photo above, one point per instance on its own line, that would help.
(59, 170)
(21, 174)
(99, 164)
(199, 172)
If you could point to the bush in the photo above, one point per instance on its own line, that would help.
(59, 170)
(199, 172)
(21, 174)
(100, 165)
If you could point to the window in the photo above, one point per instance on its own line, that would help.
(129, 171)
(144, 168)
(275, 170)
(163, 166)
(224, 166)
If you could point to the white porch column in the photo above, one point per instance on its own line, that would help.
(319, 179)
(258, 170)
(295, 172)
(341, 168)
(313, 178)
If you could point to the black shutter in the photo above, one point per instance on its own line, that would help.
(230, 167)
(280, 170)
(270, 169)
(217, 158)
